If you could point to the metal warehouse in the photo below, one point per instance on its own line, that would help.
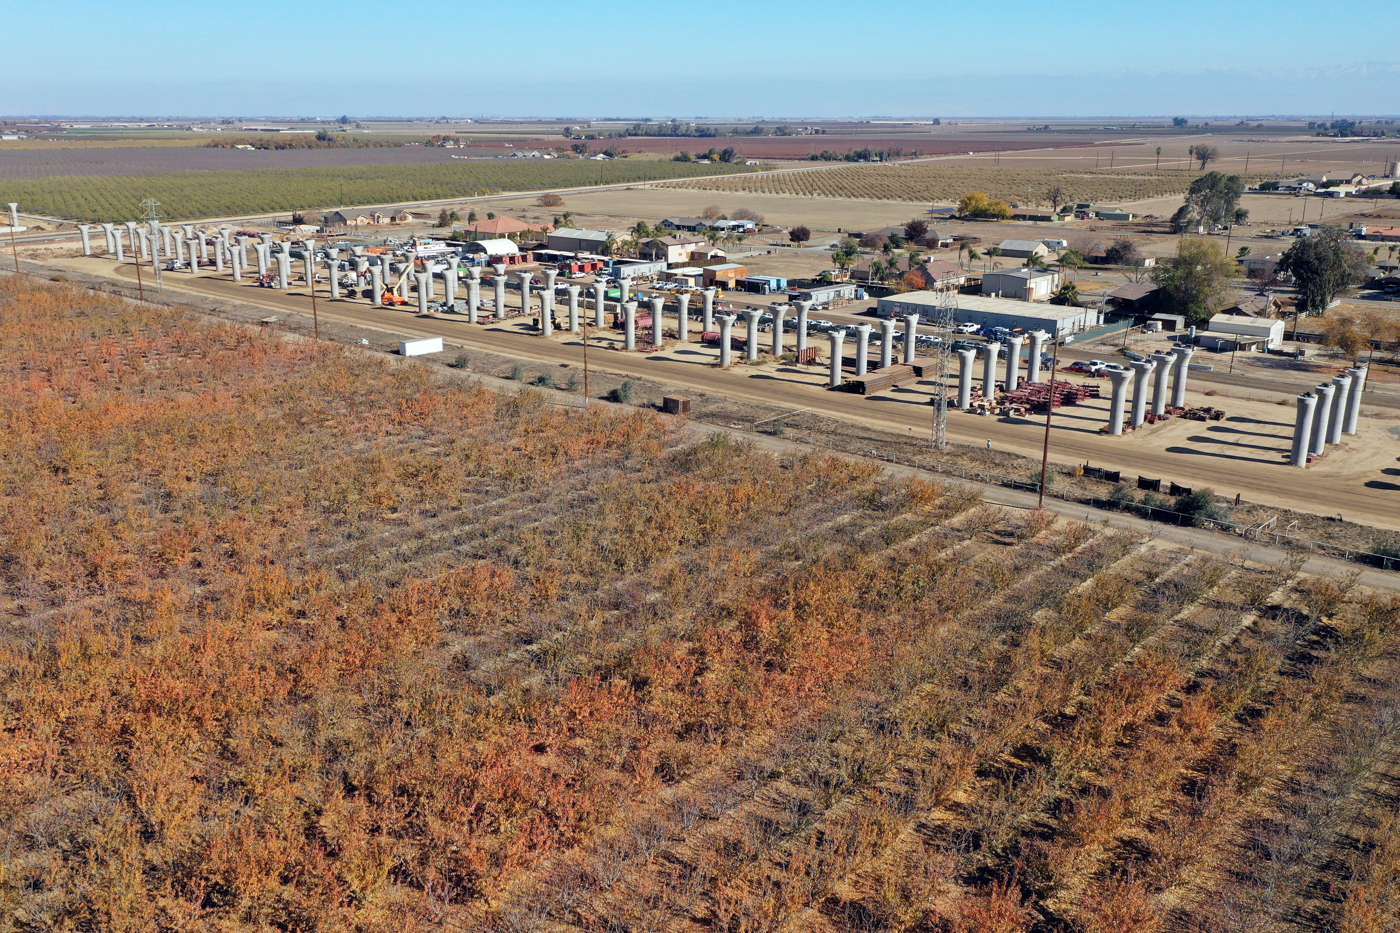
(1056, 320)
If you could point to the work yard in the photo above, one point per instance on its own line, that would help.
(299, 638)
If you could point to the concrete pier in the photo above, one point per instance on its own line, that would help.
(990, 352)
(778, 315)
(1183, 365)
(1302, 429)
(683, 317)
(862, 348)
(85, 231)
(1358, 385)
(1142, 370)
(911, 336)
(1038, 338)
(726, 331)
(1119, 378)
(1013, 362)
(422, 279)
(707, 310)
(751, 316)
(1322, 417)
(837, 336)
(573, 292)
(1342, 389)
(525, 279)
(376, 285)
(598, 302)
(547, 313)
(449, 284)
(887, 327)
(629, 318)
(966, 358)
(658, 320)
(804, 311)
(117, 237)
(1165, 362)
(284, 271)
(499, 281)
(473, 298)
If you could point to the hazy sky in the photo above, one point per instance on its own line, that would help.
(713, 58)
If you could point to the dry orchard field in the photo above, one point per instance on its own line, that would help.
(298, 639)
(947, 182)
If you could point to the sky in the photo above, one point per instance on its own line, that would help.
(713, 58)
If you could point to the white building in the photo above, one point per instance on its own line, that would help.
(1267, 330)
(1021, 284)
(1057, 320)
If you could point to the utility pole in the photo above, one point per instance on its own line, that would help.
(14, 250)
(1049, 410)
(1246, 163)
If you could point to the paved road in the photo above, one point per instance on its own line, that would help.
(1252, 466)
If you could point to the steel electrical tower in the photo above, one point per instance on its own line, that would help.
(941, 353)
(152, 218)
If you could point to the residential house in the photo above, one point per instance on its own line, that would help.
(671, 249)
(937, 274)
(1021, 284)
(1138, 297)
(1255, 306)
(1023, 249)
(688, 224)
(1384, 234)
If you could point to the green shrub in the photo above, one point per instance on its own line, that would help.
(624, 393)
(544, 380)
(517, 372)
(461, 361)
(1121, 497)
(1200, 508)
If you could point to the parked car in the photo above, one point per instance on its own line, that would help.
(1132, 355)
(1079, 366)
(968, 328)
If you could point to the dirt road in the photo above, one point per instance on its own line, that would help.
(1360, 479)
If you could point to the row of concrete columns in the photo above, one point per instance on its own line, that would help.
(1326, 413)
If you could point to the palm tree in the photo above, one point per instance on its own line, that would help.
(1071, 260)
(1035, 262)
(610, 244)
(1159, 159)
(962, 248)
(992, 253)
(973, 256)
(877, 270)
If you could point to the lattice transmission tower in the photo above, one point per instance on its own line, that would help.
(151, 214)
(941, 353)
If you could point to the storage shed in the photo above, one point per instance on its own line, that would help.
(1268, 330)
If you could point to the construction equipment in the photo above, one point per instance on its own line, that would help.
(266, 280)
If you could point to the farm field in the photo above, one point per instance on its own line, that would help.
(946, 182)
(299, 638)
(189, 195)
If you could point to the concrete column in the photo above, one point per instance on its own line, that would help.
(547, 312)
(707, 310)
(107, 234)
(309, 268)
(117, 236)
(1302, 429)
(965, 359)
(726, 331)
(1358, 384)
(143, 244)
(130, 233)
(862, 348)
(14, 215)
(804, 310)
(219, 248)
(629, 320)
(165, 241)
(203, 237)
(1322, 417)
(887, 327)
(624, 289)
(179, 246)
(549, 276)
(1164, 363)
(683, 318)
(599, 290)
(990, 352)
(243, 251)
(751, 344)
(837, 336)
(1341, 389)
(1013, 362)
(449, 283)
(236, 264)
(500, 283)
(911, 335)
(658, 332)
(361, 265)
(1119, 378)
(284, 271)
(525, 292)
(573, 292)
(266, 238)
(473, 298)
(1038, 338)
(778, 333)
(376, 286)
(1142, 369)
(85, 231)
(333, 274)
(422, 279)
(264, 255)
(1183, 364)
